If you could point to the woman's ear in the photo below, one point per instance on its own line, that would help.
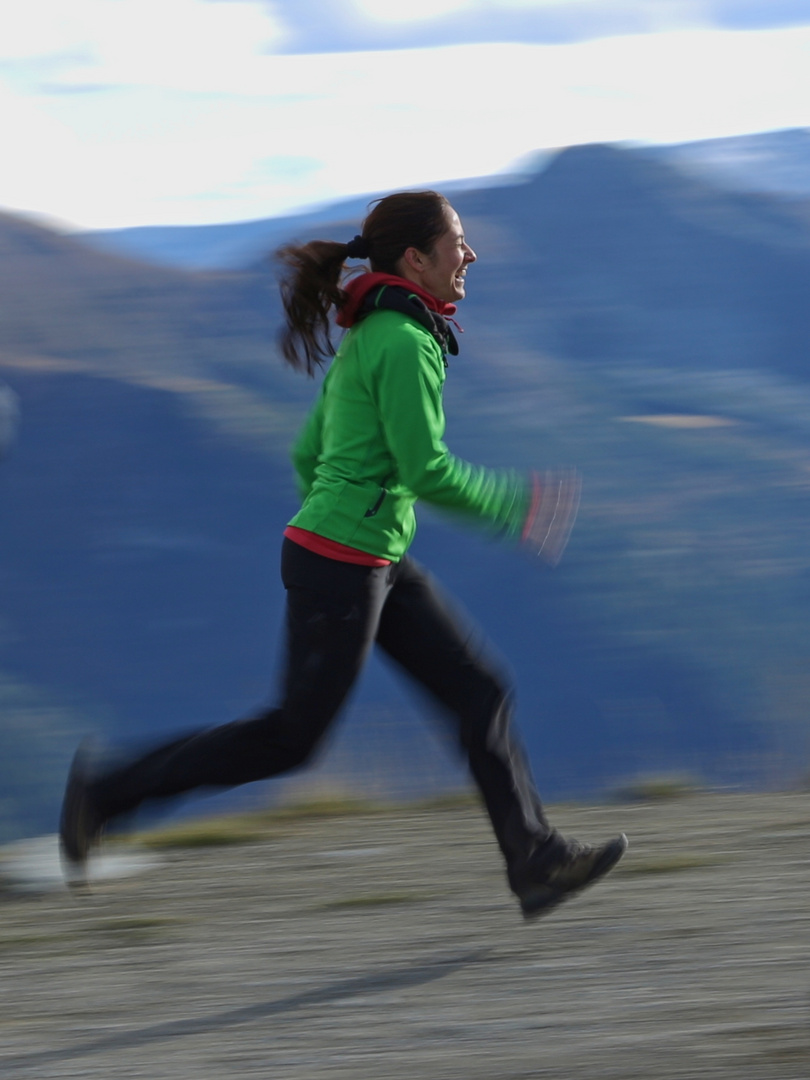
(414, 260)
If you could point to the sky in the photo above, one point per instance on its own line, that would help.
(117, 113)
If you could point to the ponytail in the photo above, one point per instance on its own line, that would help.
(309, 290)
(310, 284)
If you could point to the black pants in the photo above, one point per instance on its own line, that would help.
(335, 613)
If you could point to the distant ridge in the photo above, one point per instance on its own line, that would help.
(235, 245)
(771, 163)
(209, 247)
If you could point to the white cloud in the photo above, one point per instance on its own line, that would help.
(191, 121)
(396, 12)
(642, 14)
(36, 29)
(186, 44)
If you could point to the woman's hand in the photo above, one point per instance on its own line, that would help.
(552, 513)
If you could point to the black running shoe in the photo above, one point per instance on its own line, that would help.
(80, 824)
(578, 866)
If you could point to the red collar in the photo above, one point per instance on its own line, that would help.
(359, 287)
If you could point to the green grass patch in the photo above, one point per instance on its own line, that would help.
(657, 788)
(324, 806)
(259, 825)
(235, 829)
(463, 799)
(209, 832)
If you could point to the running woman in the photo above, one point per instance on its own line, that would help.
(371, 447)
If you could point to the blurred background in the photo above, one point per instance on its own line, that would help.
(635, 178)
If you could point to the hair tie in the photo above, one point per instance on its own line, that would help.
(357, 248)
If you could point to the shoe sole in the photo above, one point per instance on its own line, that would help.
(542, 899)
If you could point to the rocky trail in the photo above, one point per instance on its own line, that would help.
(385, 946)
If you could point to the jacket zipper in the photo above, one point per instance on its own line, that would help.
(373, 510)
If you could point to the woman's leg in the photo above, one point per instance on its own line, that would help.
(442, 651)
(332, 614)
(433, 644)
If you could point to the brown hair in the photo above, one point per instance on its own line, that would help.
(310, 284)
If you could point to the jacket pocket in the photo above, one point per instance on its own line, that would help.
(372, 510)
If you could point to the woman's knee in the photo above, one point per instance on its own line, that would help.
(277, 743)
(486, 719)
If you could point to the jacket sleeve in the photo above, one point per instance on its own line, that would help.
(409, 389)
(307, 448)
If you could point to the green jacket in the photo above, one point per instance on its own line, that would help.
(372, 445)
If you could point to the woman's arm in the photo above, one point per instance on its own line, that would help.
(307, 448)
(538, 510)
(408, 392)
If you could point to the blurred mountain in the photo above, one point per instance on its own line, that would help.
(235, 245)
(775, 163)
(771, 162)
(630, 261)
(215, 247)
(623, 315)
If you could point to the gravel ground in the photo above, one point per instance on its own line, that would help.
(386, 946)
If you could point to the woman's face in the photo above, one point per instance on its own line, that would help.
(442, 272)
